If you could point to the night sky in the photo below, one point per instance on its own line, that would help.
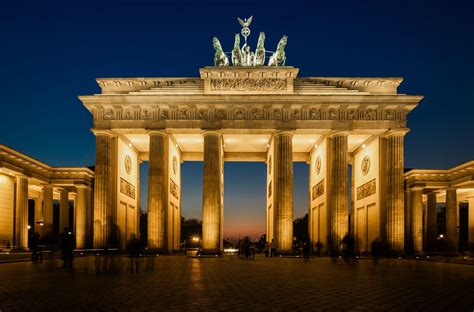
(51, 52)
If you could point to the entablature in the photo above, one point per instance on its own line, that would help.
(17, 163)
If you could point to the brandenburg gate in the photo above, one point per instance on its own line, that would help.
(349, 130)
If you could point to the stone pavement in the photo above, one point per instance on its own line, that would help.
(228, 283)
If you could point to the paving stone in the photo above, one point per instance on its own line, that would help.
(228, 283)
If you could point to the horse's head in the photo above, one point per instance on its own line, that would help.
(283, 41)
(237, 41)
(217, 44)
(261, 40)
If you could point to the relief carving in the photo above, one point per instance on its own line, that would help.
(202, 114)
(183, 113)
(108, 114)
(277, 114)
(352, 114)
(314, 114)
(370, 114)
(248, 84)
(318, 190)
(127, 188)
(128, 115)
(239, 114)
(333, 114)
(256, 113)
(163, 114)
(174, 189)
(220, 114)
(146, 114)
(366, 190)
(296, 114)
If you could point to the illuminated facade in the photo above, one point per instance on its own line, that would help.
(28, 189)
(260, 113)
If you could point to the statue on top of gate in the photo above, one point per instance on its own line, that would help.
(244, 56)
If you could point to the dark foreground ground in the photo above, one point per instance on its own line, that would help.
(228, 283)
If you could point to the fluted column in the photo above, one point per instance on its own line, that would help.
(89, 217)
(451, 221)
(431, 223)
(102, 188)
(47, 208)
(80, 210)
(157, 190)
(337, 191)
(212, 206)
(394, 191)
(470, 222)
(417, 214)
(409, 239)
(38, 215)
(283, 192)
(21, 213)
(64, 210)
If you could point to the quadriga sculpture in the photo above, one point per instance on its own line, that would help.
(236, 52)
(220, 59)
(259, 58)
(278, 58)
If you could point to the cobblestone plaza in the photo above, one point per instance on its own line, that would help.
(228, 283)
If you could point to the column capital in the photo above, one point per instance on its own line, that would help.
(162, 133)
(107, 133)
(396, 132)
(336, 133)
(287, 132)
(211, 132)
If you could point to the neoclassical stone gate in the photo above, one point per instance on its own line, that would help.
(258, 113)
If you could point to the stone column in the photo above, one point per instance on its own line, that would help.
(157, 190)
(409, 239)
(283, 192)
(470, 224)
(451, 221)
(47, 208)
(89, 217)
(431, 223)
(417, 211)
(394, 191)
(102, 188)
(64, 210)
(212, 193)
(38, 216)
(21, 213)
(80, 210)
(338, 195)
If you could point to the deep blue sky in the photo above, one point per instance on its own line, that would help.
(51, 52)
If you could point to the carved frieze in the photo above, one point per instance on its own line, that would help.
(314, 114)
(127, 188)
(174, 189)
(253, 112)
(366, 190)
(220, 114)
(318, 190)
(248, 84)
(203, 114)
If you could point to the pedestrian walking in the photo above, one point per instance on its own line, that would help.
(273, 248)
(66, 244)
(134, 249)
